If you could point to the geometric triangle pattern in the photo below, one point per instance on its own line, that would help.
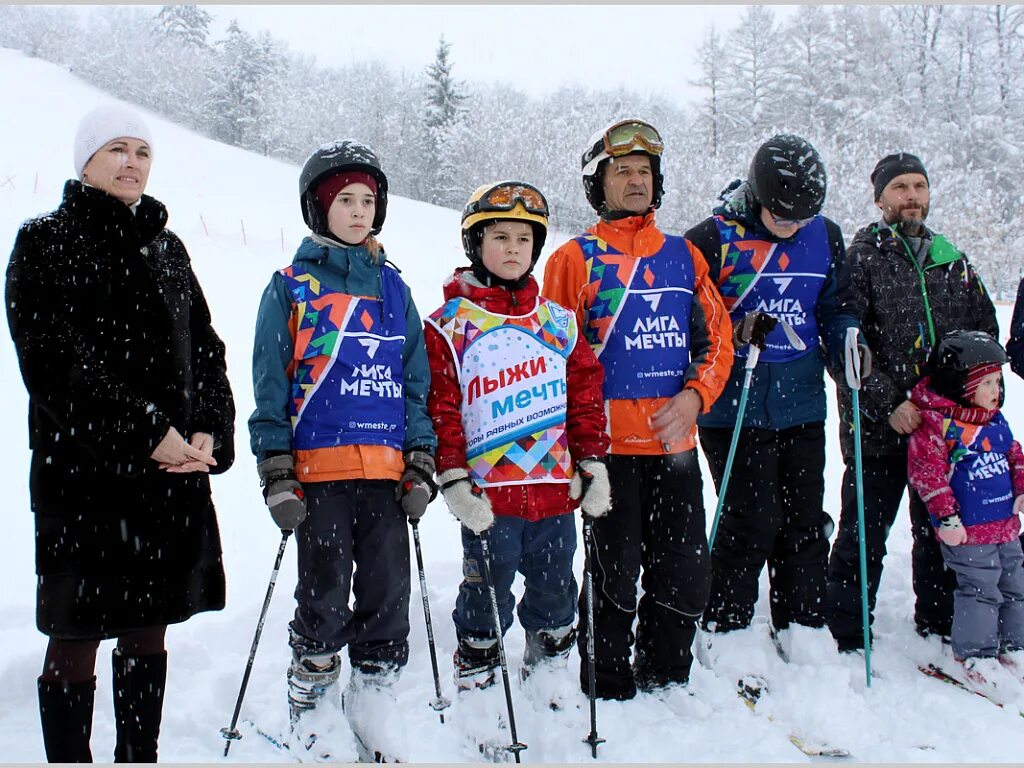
(742, 260)
(316, 320)
(542, 456)
(462, 321)
(611, 273)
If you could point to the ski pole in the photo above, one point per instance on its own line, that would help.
(516, 746)
(752, 354)
(439, 703)
(853, 380)
(231, 732)
(588, 577)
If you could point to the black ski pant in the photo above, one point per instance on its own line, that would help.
(772, 514)
(353, 522)
(656, 524)
(885, 480)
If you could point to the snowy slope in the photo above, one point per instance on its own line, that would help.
(213, 192)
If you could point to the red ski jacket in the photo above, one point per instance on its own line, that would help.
(585, 417)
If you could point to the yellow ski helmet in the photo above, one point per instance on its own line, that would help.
(504, 200)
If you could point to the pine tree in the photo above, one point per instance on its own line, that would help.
(188, 25)
(444, 99)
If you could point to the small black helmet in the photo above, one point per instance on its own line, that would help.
(787, 176)
(957, 353)
(332, 158)
(625, 137)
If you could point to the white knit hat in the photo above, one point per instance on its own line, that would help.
(106, 123)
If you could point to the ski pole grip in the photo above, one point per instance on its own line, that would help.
(753, 353)
(852, 358)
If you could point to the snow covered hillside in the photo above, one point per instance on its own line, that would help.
(238, 214)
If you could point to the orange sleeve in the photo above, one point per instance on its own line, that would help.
(565, 277)
(711, 350)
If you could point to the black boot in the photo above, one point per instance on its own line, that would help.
(545, 645)
(138, 705)
(65, 711)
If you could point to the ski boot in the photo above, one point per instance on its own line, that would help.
(317, 732)
(476, 661)
(546, 655)
(375, 715)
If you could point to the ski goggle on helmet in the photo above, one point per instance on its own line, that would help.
(620, 139)
(507, 200)
(505, 197)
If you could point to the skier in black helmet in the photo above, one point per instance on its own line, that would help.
(907, 287)
(345, 449)
(775, 260)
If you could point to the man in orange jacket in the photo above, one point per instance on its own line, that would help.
(659, 328)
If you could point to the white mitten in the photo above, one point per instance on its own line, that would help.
(466, 500)
(591, 482)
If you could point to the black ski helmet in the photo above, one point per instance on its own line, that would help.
(596, 158)
(787, 176)
(957, 353)
(332, 158)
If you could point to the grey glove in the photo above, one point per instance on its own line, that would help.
(754, 329)
(591, 483)
(466, 500)
(417, 488)
(282, 491)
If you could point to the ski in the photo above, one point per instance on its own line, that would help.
(750, 689)
(277, 742)
(937, 673)
(367, 755)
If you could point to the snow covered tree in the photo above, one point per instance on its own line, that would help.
(189, 25)
(444, 102)
(711, 58)
(246, 72)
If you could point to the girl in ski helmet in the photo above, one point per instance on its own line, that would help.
(345, 450)
(515, 397)
(968, 469)
(131, 411)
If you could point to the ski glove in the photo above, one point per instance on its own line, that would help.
(591, 483)
(417, 488)
(282, 491)
(754, 329)
(951, 531)
(466, 500)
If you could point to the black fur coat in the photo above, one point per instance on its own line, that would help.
(115, 345)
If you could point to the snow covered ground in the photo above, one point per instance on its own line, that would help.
(238, 215)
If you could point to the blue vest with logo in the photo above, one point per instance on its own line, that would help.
(981, 480)
(638, 319)
(347, 377)
(780, 279)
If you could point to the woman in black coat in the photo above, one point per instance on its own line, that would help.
(129, 411)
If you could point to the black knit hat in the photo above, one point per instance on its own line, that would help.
(891, 166)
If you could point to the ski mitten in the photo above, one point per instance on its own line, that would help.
(754, 329)
(282, 491)
(417, 488)
(951, 531)
(466, 500)
(591, 484)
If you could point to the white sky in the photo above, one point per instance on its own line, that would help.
(537, 48)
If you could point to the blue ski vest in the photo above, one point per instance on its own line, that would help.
(347, 377)
(638, 322)
(780, 279)
(981, 480)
